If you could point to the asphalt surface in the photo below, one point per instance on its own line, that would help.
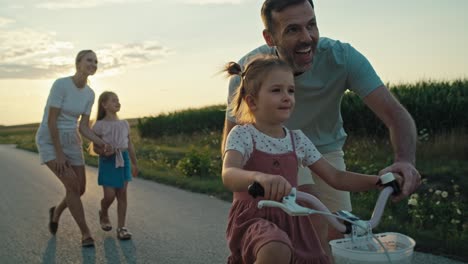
(169, 225)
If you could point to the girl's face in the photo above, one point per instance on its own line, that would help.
(88, 64)
(275, 100)
(112, 105)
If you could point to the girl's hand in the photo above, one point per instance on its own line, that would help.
(98, 149)
(275, 186)
(135, 171)
(108, 150)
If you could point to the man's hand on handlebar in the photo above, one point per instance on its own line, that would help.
(399, 179)
(410, 180)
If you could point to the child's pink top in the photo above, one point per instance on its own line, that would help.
(114, 133)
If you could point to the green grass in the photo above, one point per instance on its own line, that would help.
(157, 158)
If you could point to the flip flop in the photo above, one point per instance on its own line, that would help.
(104, 226)
(87, 242)
(53, 226)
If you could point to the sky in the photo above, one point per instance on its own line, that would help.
(162, 56)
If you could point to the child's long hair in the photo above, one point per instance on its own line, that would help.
(101, 112)
(250, 83)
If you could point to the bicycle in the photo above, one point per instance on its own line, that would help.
(360, 245)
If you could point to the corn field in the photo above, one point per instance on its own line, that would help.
(436, 106)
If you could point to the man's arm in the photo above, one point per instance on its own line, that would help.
(228, 125)
(402, 131)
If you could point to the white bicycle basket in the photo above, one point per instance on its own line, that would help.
(367, 250)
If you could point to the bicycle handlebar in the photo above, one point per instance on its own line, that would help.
(289, 205)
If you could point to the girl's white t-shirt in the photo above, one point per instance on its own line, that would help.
(240, 139)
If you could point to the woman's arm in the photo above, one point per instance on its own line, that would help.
(343, 180)
(61, 162)
(237, 179)
(104, 150)
(88, 133)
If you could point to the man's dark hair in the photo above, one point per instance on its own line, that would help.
(270, 6)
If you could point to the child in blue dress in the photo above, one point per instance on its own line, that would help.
(116, 167)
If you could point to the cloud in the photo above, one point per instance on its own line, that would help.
(5, 21)
(75, 4)
(22, 53)
(212, 2)
(116, 57)
(70, 4)
(20, 71)
(29, 54)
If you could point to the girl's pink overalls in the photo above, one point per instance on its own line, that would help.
(249, 228)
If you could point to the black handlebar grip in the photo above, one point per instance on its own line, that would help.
(388, 179)
(255, 189)
(395, 186)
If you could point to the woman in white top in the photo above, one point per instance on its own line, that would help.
(59, 142)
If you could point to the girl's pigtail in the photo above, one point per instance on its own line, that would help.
(233, 68)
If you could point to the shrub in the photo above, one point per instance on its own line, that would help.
(440, 209)
(184, 122)
(197, 163)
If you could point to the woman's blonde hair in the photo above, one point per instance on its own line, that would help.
(80, 56)
(251, 79)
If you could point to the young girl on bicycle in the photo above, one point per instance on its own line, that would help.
(263, 150)
(115, 170)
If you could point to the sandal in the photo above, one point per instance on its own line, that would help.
(87, 242)
(106, 226)
(53, 226)
(123, 234)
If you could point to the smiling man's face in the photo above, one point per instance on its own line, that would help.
(295, 35)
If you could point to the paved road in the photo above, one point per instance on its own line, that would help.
(168, 224)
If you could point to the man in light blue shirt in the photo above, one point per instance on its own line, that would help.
(324, 70)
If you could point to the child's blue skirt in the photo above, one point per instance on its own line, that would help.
(109, 175)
